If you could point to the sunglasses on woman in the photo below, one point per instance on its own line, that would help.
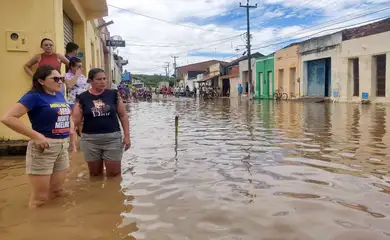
(57, 79)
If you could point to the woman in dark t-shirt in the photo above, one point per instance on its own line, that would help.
(101, 140)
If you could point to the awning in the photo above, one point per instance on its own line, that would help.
(95, 9)
(209, 77)
(85, 10)
(230, 76)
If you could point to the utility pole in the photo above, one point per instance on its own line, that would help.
(248, 46)
(167, 70)
(175, 66)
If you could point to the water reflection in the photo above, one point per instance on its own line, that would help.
(240, 170)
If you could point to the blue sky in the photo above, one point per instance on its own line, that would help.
(199, 30)
(236, 17)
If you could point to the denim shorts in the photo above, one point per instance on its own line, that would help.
(104, 146)
(47, 161)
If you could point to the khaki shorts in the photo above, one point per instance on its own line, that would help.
(53, 159)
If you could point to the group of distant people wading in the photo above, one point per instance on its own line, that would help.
(90, 107)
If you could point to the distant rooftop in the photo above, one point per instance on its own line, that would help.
(197, 67)
(243, 58)
(367, 30)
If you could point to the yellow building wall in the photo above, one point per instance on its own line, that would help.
(285, 59)
(27, 19)
(94, 46)
(24, 18)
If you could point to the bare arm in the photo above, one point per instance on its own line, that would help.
(12, 120)
(28, 66)
(122, 114)
(72, 128)
(63, 59)
(77, 115)
(73, 136)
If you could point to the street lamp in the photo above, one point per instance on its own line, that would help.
(237, 47)
(104, 25)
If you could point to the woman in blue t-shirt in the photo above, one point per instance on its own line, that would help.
(101, 141)
(47, 157)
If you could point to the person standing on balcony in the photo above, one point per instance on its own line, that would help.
(101, 140)
(47, 158)
(48, 57)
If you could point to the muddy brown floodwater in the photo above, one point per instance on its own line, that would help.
(262, 171)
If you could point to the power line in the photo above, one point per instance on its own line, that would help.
(350, 15)
(332, 19)
(304, 4)
(172, 46)
(322, 26)
(163, 20)
(296, 7)
(326, 30)
(235, 9)
(297, 39)
(231, 38)
(306, 30)
(248, 46)
(197, 49)
(302, 38)
(190, 45)
(293, 12)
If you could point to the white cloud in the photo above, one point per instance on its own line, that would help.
(179, 40)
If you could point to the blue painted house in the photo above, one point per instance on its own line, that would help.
(126, 77)
(320, 59)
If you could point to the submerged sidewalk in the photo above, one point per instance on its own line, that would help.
(13, 147)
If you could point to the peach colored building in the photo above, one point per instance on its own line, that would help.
(287, 74)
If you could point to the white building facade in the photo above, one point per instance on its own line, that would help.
(364, 68)
(320, 59)
(244, 78)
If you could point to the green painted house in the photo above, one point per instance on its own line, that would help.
(265, 84)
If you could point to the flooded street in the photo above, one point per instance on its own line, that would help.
(254, 171)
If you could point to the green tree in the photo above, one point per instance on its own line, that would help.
(152, 80)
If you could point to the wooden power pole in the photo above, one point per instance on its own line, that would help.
(248, 46)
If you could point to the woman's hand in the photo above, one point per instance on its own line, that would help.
(40, 141)
(127, 143)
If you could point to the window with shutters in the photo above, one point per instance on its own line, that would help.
(68, 30)
(381, 76)
(355, 66)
